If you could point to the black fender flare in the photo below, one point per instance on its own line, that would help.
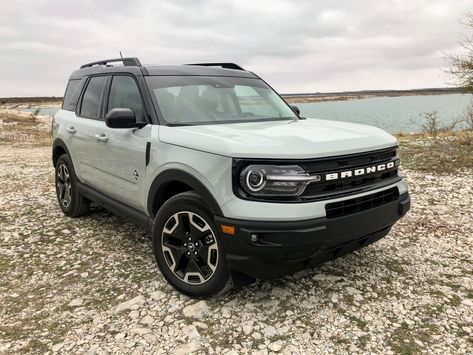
(175, 175)
(59, 143)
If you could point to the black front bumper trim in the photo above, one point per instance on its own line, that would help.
(268, 249)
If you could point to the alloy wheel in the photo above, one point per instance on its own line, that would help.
(64, 186)
(190, 247)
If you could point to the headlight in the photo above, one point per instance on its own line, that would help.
(275, 180)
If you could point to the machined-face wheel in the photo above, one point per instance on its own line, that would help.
(190, 248)
(64, 187)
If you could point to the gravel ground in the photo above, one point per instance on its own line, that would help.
(91, 284)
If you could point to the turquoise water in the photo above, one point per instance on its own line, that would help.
(393, 114)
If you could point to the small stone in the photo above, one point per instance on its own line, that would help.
(134, 314)
(187, 348)
(157, 295)
(148, 320)
(197, 310)
(120, 336)
(125, 306)
(55, 348)
(468, 302)
(201, 325)
(256, 336)
(247, 327)
(191, 332)
(276, 346)
(140, 331)
(357, 297)
(269, 331)
(418, 342)
(352, 290)
(76, 302)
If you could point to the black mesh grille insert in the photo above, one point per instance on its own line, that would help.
(332, 188)
(359, 204)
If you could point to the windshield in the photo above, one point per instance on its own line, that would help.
(189, 100)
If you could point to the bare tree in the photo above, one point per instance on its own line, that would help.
(461, 64)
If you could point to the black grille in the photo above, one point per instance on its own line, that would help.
(359, 204)
(339, 187)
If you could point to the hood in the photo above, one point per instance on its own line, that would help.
(302, 139)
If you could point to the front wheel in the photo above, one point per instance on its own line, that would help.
(187, 247)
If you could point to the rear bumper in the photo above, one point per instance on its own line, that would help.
(279, 248)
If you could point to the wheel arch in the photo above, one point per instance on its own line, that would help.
(59, 148)
(181, 181)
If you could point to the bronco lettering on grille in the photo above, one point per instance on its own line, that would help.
(362, 171)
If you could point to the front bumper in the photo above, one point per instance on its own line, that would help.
(267, 250)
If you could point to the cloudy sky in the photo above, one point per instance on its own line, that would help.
(296, 45)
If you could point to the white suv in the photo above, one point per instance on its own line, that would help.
(233, 184)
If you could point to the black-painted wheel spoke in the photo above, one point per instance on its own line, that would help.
(197, 234)
(177, 252)
(202, 266)
(62, 189)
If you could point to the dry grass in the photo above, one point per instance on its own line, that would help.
(24, 129)
(447, 152)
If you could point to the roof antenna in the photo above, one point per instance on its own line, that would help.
(121, 54)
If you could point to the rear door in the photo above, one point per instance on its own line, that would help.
(83, 129)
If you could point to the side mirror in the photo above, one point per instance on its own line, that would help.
(122, 118)
(296, 110)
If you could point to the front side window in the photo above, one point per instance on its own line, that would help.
(90, 107)
(188, 100)
(124, 93)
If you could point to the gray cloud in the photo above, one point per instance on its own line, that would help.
(297, 46)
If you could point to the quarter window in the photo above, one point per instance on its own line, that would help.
(90, 107)
(124, 93)
(72, 94)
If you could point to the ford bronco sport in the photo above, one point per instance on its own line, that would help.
(232, 183)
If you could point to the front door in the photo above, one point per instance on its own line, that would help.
(121, 157)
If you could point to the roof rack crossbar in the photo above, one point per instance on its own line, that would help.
(128, 62)
(223, 65)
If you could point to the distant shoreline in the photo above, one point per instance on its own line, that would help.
(364, 94)
(291, 98)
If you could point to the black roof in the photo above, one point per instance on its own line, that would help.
(133, 66)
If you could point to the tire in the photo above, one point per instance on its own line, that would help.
(72, 203)
(187, 247)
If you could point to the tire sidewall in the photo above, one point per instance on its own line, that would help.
(190, 203)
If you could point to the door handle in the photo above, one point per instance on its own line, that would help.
(101, 138)
(71, 130)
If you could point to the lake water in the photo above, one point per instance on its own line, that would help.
(393, 114)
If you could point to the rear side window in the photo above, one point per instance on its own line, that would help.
(90, 107)
(124, 93)
(72, 95)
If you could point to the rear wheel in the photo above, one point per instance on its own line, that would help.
(187, 247)
(72, 203)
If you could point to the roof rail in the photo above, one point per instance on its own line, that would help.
(223, 65)
(128, 62)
